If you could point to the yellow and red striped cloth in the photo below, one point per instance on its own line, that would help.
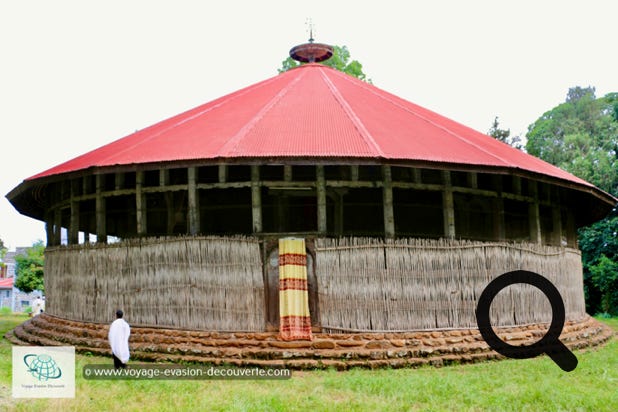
(295, 320)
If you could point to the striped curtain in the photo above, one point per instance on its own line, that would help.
(295, 321)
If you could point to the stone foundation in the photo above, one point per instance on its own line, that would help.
(341, 351)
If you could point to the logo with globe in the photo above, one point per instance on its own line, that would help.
(43, 367)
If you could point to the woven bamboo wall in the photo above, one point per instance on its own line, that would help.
(194, 283)
(409, 284)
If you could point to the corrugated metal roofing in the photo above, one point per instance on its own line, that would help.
(7, 283)
(311, 112)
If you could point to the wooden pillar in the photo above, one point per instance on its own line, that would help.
(473, 181)
(354, 173)
(387, 202)
(321, 192)
(287, 173)
(222, 173)
(164, 177)
(339, 214)
(86, 185)
(164, 180)
(140, 205)
(74, 223)
(100, 211)
(534, 215)
(448, 206)
(556, 217)
(416, 175)
(119, 180)
(498, 217)
(517, 185)
(498, 210)
(57, 226)
(256, 199)
(571, 230)
(194, 207)
(49, 228)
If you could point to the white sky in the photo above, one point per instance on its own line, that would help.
(75, 75)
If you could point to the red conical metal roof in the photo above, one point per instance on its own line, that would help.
(312, 112)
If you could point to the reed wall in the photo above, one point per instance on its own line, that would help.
(368, 284)
(363, 284)
(194, 283)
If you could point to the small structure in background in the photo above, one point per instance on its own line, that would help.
(10, 296)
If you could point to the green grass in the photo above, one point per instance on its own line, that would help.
(511, 385)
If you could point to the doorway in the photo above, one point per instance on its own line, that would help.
(272, 290)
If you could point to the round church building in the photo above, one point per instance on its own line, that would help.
(311, 219)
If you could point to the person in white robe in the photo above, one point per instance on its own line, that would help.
(119, 332)
(38, 306)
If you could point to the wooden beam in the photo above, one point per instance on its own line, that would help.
(321, 194)
(194, 208)
(448, 206)
(100, 211)
(140, 205)
(387, 201)
(256, 199)
(534, 217)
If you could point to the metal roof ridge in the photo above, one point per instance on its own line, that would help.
(358, 124)
(229, 147)
(414, 113)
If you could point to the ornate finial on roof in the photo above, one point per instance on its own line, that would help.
(311, 52)
(309, 23)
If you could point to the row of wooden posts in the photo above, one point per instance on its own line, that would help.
(72, 202)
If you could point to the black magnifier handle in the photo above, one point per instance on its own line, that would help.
(562, 355)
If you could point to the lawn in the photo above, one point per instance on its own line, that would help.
(511, 385)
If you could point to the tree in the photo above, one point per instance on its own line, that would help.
(2, 254)
(340, 60)
(29, 269)
(504, 135)
(581, 136)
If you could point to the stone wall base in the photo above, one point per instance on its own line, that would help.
(340, 351)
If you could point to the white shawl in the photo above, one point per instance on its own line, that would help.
(119, 332)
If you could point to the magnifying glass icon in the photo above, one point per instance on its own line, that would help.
(549, 344)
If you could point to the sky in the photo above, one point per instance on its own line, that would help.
(75, 75)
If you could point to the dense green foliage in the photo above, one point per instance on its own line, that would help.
(340, 61)
(581, 136)
(29, 269)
